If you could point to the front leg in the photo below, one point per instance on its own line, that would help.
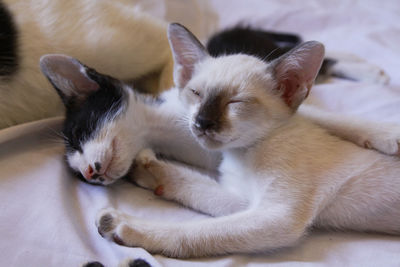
(383, 137)
(244, 232)
(185, 186)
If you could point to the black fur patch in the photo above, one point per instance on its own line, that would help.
(138, 263)
(8, 43)
(132, 263)
(265, 45)
(326, 67)
(210, 113)
(84, 120)
(93, 264)
(262, 44)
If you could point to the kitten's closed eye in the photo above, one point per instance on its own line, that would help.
(235, 101)
(195, 92)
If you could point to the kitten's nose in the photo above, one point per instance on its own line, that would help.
(89, 172)
(203, 123)
(92, 173)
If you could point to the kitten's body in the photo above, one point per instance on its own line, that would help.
(296, 178)
(280, 174)
(328, 182)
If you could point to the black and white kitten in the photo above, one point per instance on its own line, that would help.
(107, 122)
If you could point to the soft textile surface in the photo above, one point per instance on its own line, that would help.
(47, 216)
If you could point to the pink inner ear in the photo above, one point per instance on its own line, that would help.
(296, 72)
(85, 85)
(187, 52)
(72, 70)
(292, 89)
(65, 71)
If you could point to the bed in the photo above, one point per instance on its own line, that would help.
(47, 216)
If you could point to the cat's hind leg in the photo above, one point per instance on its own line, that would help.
(184, 185)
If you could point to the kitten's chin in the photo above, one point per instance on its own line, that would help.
(209, 143)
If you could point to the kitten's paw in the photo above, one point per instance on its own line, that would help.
(143, 178)
(384, 139)
(360, 70)
(106, 221)
(145, 157)
(375, 74)
(146, 172)
(114, 226)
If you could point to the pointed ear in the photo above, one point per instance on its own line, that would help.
(69, 77)
(296, 71)
(187, 51)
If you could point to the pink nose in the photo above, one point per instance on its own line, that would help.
(89, 172)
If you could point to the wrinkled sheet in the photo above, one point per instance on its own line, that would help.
(47, 216)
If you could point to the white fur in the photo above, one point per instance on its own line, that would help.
(275, 182)
(111, 36)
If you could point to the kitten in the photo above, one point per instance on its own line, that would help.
(280, 173)
(107, 122)
(105, 34)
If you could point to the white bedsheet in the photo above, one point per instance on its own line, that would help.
(47, 216)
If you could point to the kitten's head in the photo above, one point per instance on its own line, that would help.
(235, 100)
(95, 131)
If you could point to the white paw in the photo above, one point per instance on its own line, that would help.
(145, 156)
(113, 225)
(360, 71)
(383, 139)
(143, 178)
(377, 75)
(107, 220)
(148, 172)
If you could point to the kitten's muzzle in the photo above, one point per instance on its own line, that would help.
(203, 123)
(97, 172)
(92, 173)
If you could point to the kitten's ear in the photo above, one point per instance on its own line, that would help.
(186, 51)
(69, 77)
(296, 71)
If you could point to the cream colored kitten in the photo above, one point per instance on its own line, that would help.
(280, 173)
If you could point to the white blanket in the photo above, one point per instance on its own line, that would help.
(47, 215)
